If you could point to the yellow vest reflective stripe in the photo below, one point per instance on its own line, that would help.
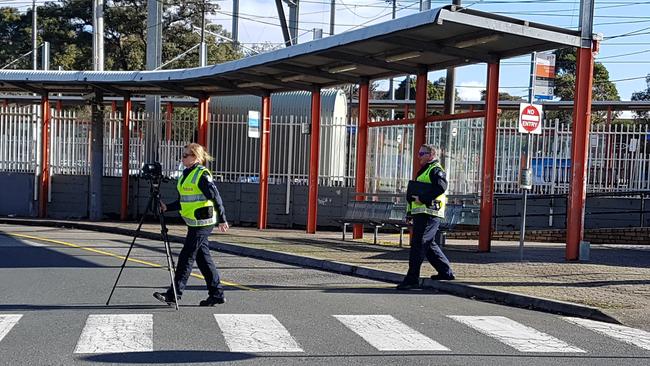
(437, 207)
(192, 198)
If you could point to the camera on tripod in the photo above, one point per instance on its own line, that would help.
(152, 171)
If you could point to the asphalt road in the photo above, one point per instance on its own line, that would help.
(54, 284)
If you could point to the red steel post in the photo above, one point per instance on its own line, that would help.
(314, 150)
(420, 132)
(45, 156)
(126, 140)
(579, 152)
(362, 146)
(265, 152)
(489, 157)
(203, 121)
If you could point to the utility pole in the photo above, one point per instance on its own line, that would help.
(293, 20)
(391, 82)
(449, 107)
(34, 38)
(203, 52)
(45, 57)
(235, 23)
(332, 16)
(154, 59)
(98, 35)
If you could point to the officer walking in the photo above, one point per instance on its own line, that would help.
(201, 208)
(426, 213)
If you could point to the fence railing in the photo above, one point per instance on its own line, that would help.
(619, 155)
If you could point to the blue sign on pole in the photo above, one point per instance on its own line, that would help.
(254, 124)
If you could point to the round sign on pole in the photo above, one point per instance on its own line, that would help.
(530, 118)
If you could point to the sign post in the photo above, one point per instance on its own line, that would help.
(530, 122)
(542, 73)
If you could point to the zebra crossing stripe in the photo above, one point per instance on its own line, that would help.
(637, 337)
(386, 333)
(116, 333)
(516, 335)
(7, 321)
(255, 333)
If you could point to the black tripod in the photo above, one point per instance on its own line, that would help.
(153, 206)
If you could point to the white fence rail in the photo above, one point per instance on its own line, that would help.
(619, 155)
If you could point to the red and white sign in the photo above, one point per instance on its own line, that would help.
(530, 118)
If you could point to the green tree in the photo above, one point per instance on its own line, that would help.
(67, 25)
(15, 38)
(642, 116)
(506, 116)
(565, 79)
(435, 90)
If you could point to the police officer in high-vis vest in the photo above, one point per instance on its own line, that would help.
(201, 208)
(426, 213)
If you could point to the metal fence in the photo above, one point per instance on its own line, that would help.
(619, 155)
(19, 139)
(619, 158)
(237, 156)
(390, 155)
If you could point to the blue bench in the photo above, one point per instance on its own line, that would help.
(380, 214)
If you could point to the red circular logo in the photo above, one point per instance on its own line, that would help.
(530, 118)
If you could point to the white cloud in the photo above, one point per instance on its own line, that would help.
(470, 90)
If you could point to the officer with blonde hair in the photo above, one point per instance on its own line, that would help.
(201, 208)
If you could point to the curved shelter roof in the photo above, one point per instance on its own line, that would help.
(431, 40)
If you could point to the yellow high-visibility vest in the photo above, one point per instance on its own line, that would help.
(192, 198)
(437, 207)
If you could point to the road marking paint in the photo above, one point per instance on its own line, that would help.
(516, 335)
(386, 333)
(255, 333)
(7, 321)
(637, 337)
(116, 333)
(131, 259)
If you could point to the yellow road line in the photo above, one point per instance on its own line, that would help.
(135, 260)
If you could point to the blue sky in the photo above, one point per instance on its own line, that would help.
(626, 57)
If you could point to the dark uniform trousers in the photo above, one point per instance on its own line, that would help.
(423, 245)
(196, 246)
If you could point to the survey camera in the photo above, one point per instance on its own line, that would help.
(152, 172)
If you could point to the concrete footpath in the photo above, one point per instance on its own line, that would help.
(613, 286)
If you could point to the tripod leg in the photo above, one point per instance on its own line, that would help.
(172, 272)
(165, 237)
(170, 259)
(126, 258)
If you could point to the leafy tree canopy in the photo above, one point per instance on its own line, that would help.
(435, 90)
(565, 80)
(643, 116)
(67, 25)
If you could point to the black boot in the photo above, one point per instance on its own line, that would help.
(212, 301)
(164, 297)
(408, 285)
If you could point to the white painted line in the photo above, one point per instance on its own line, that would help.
(7, 321)
(637, 337)
(116, 333)
(255, 333)
(516, 335)
(386, 333)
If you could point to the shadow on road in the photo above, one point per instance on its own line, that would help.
(180, 357)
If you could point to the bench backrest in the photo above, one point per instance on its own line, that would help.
(368, 210)
(452, 214)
